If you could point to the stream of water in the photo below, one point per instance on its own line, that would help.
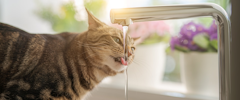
(125, 29)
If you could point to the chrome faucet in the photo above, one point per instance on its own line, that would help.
(126, 16)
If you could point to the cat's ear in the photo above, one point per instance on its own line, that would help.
(93, 22)
(137, 40)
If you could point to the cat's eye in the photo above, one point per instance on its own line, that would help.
(133, 48)
(116, 39)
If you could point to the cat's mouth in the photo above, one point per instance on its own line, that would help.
(120, 60)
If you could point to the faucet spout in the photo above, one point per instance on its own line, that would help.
(126, 16)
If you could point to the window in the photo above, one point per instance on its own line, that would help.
(157, 71)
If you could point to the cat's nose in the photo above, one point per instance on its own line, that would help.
(129, 53)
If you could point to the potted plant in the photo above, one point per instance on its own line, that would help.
(199, 58)
(69, 17)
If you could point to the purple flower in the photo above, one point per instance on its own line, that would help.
(173, 42)
(187, 33)
(212, 31)
(189, 40)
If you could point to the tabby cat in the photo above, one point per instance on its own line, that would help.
(64, 66)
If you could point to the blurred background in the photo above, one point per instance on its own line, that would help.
(175, 59)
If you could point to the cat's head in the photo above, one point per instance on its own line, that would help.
(106, 45)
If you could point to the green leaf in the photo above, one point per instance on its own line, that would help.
(214, 44)
(201, 40)
(183, 49)
(96, 6)
(65, 18)
(168, 50)
(155, 38)
(206, 21)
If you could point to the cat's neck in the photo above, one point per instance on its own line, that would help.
(79, 57)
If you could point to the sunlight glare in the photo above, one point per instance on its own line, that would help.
(111, 4)
(116, 4)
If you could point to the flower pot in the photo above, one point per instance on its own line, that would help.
(148, 67)
(199, 73)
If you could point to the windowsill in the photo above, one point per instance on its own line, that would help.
(167, 91)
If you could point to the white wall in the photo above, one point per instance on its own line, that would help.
(0, 10)
(20, 13)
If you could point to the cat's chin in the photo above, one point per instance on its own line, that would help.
(121, 68)
(118, 66)
(114, 64)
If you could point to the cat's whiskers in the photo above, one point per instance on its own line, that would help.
(139, 60)
(140, 63)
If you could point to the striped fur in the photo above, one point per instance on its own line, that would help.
(65, 66)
